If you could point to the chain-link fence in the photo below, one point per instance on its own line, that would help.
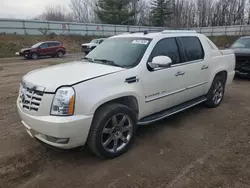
(35, 27)
(236, 30)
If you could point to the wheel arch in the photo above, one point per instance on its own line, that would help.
(60, 50)
(127, 100)
(222, 73)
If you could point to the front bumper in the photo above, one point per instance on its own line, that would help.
(22, 54)
(76, 128)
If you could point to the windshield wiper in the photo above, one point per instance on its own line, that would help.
(108, 62)
(89, 59)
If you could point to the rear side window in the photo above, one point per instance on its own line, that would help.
(192, 48)
(54, 44)
(167, 47)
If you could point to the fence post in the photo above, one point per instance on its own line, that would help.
(68, 28)
(212, 31)
(24, 28)
(115, 29)
(48, 27)
(240, 31)
(103, 30)
(86, 29)
(226, 30)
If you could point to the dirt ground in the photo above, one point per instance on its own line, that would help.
(200, 147)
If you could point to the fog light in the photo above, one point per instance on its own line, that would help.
(57, 140)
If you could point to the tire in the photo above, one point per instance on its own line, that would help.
(109, 141)
(34, 56)
(60, 54)
(216, 92)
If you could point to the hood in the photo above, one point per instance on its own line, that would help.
(89, 44)
(245, 51)
(25, 49)
(67, 74)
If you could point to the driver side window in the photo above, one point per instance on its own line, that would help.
(166, 47)
(45, 45)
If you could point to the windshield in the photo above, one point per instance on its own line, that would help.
(124, 52)
(242, 43)
(36, 45)
(94, 41)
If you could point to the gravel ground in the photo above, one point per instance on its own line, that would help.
(200, 147)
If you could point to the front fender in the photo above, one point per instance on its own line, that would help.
(90, 96)
(112, 98)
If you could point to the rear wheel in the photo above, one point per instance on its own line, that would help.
(60, 54)
(216, 92)
(112, 131)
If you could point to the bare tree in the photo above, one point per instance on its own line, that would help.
(138, 9)
(144, 15)
(55, 13)
(202, 13)
(84, 10)
(185, 13)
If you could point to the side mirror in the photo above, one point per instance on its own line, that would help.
(161, 62)
(227, 46)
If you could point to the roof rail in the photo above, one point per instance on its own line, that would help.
(144, 32)
(178, 31)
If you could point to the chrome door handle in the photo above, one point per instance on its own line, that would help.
(204, 67)
(180, 73)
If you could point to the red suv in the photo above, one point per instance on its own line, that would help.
(48, 48)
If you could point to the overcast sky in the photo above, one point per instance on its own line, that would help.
(27, 9)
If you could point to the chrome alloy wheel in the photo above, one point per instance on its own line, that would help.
(218, 93)
(117, 133)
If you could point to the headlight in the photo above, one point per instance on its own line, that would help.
(64, 102)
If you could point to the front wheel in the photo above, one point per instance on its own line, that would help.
(34, 56)
(112, 131)
(216, 92)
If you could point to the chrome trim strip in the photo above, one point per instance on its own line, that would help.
(175, 92)
(166, 95)
(175, 65)
(186, 63)
(148, 122)
(196, 85)
(26, 84)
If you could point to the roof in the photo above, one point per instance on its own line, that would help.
(50, 41)
(170, 33)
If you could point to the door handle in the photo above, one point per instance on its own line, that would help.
(204, 67)
(180, 73)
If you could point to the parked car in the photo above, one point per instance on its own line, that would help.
(48, 48)
(88, 47)
(241, 47)
(129, 80)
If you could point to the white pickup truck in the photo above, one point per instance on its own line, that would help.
(129, 80)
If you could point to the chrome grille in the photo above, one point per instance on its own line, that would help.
(30, 98)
